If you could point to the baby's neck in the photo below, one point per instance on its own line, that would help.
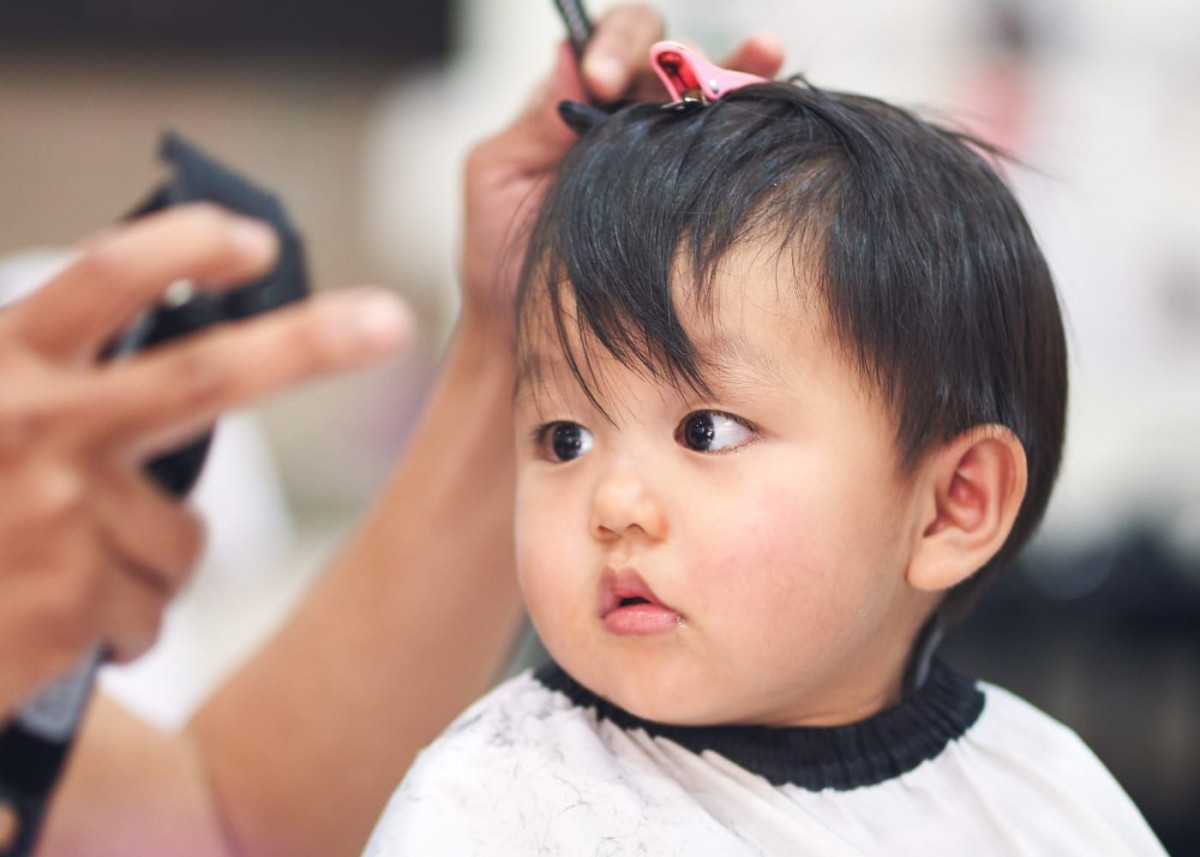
(851, 754)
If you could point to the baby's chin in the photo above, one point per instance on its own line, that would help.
(670, 694)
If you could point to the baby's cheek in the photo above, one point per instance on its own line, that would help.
(538, 548)
(543, 557)
(782, 568)
(761, 550)
(552, 565)
(549, 600)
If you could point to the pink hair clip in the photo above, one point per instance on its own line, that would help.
(691, 79)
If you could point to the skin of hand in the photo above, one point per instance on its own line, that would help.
(506, 174)
(298, 752)
(91, 551)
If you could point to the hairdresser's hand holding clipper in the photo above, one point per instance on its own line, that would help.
(91, 550)
(505, 173)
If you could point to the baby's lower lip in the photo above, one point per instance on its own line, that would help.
(642, 619)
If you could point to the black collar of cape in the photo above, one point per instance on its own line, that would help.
(866, 753)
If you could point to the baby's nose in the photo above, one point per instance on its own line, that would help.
(625, 505)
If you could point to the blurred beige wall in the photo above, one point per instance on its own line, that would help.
(77, 147)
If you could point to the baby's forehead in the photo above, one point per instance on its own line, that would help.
(758, 286)
(752, 323)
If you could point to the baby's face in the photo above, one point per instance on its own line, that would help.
(739, 558)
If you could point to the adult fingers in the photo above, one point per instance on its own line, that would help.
(618, 54)
(131, 609)
(537, 138)
(155, 536)
(616, 59)
(153, 400)
(126, 270)
(43, 495)
(54, 591)
(760, 53)
(103, 575)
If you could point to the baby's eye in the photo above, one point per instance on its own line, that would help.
(564, 441)
(713, 431)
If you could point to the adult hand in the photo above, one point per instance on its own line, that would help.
(90, 550)
(506, 174)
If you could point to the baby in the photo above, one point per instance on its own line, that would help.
(793, 384)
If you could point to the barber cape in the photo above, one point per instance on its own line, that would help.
(541, 766)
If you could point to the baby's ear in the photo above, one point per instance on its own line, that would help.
(973, 487)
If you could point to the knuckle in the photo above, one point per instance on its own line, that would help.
(211, 229)
(645, 14)
(103, 263)
(198, 378)
(207, 218)
(312, 340)
(638, 17)
(317, 345)
(54, 495)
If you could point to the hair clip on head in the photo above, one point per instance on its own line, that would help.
(691, 79)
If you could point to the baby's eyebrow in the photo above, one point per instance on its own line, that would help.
(733, 360)
(726, 362)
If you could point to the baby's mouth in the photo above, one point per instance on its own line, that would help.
(628, 606)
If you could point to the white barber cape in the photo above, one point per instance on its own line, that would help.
(540, 766)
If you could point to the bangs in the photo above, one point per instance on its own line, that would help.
(645, 208)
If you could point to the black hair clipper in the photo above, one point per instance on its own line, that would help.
(35, 745)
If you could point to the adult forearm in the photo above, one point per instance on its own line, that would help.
(413, 620)
(131, 790)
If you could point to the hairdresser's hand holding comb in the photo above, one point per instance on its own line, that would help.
(506, 173)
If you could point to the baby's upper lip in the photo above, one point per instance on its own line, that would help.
(616, 585)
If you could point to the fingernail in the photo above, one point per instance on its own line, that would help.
(379, 320)
(254, 237)
(605, 75)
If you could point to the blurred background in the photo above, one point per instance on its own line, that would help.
(359, 114)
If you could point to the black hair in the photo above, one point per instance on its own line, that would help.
(930, 275)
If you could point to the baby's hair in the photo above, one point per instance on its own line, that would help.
(930, 276)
